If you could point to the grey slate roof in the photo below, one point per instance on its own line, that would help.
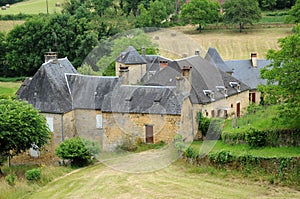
(88, 91)
(143, 99)
(204, 75)
(213, 56)
(131, 56)
(244, 72)
(47, 91)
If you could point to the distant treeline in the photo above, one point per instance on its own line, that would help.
(276, 4)
(4, 2)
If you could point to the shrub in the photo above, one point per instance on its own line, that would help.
(255, 138)
(190, 153)
(74, 150)
(203, 123)
(11, 179)
(33, 174)
(221, 157)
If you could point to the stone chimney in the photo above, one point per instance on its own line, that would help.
(254, 59)
(184, 82)
(143, 51)
(124, 73)
(51, 56)
(197, 52)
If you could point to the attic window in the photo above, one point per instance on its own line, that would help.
(210, 94)
(235, 85)
(222, 90)
(157, 99)
(128, 98)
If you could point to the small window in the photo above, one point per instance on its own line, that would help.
(212, 113)
(99, 120)
(50, 123)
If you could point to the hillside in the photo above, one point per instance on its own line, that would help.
(32, 7)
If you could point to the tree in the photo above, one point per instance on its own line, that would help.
(21, 126)
(200, 12)
(268, 4)
(294, 13)
(2, 53)
(241, 12)
(283, 80)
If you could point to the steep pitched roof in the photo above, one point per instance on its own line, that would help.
(244, 72)
(213, 56)
(143, 99)
(88, 92)
(204, 76)
(131, 56)
(47, 91)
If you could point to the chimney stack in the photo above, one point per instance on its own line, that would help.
(183, 83)
(143, 51)
(197, 52)
(51, 56)
(123, 73)
(254, 59)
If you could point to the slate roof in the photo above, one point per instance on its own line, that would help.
(88, 92)
(213, 56)
(143, 99)
(244, 72)
(47, 91)
(204, 76)
(130, 56)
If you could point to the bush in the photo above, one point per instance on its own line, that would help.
(11, 179)
(74, 150)
(221, 157)
(33, 174)
(255, 138)
(190, 153)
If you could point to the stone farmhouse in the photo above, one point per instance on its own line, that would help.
(151, 98)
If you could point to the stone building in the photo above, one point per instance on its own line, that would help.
(151, 98)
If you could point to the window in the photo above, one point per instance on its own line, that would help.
(99, 120)
(212, 113)
(50, 123)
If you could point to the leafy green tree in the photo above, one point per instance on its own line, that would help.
(268, 4)
(200, 12)
(79, 151)
(2, 54)
(241, 12)
(283, 85)
(294, 13)
(21, 126)
(144, 18)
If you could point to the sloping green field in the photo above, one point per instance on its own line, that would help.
(33, 7)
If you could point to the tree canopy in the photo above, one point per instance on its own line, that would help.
(241, 12)
(283, 85)
(200, 12)
(294, 13)
(20, 126)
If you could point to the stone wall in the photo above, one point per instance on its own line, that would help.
(130, 127)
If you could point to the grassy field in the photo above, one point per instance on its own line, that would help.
(9, 88)
(6, 26)
(33, 7)
(182, 41)
(176, 181)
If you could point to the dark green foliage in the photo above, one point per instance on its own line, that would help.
(11, 179)
(20, 126)
(190, 153)
(283, 85)
(221, 157)
(19, 16)
(4, 2)
(255, 138)
(203, 123)
(294, 13)
(33, 175)
(200, 12)
(241, 12)
(75, 150)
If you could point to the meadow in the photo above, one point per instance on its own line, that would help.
(33, 7)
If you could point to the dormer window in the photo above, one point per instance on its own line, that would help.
(222, 90)
(235, 85)
(210, 94)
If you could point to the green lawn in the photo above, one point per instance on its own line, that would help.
(9, 88)
(33, 7)
(243, 149)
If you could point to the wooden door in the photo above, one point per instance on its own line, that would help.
(149, 133)
(238, 109)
